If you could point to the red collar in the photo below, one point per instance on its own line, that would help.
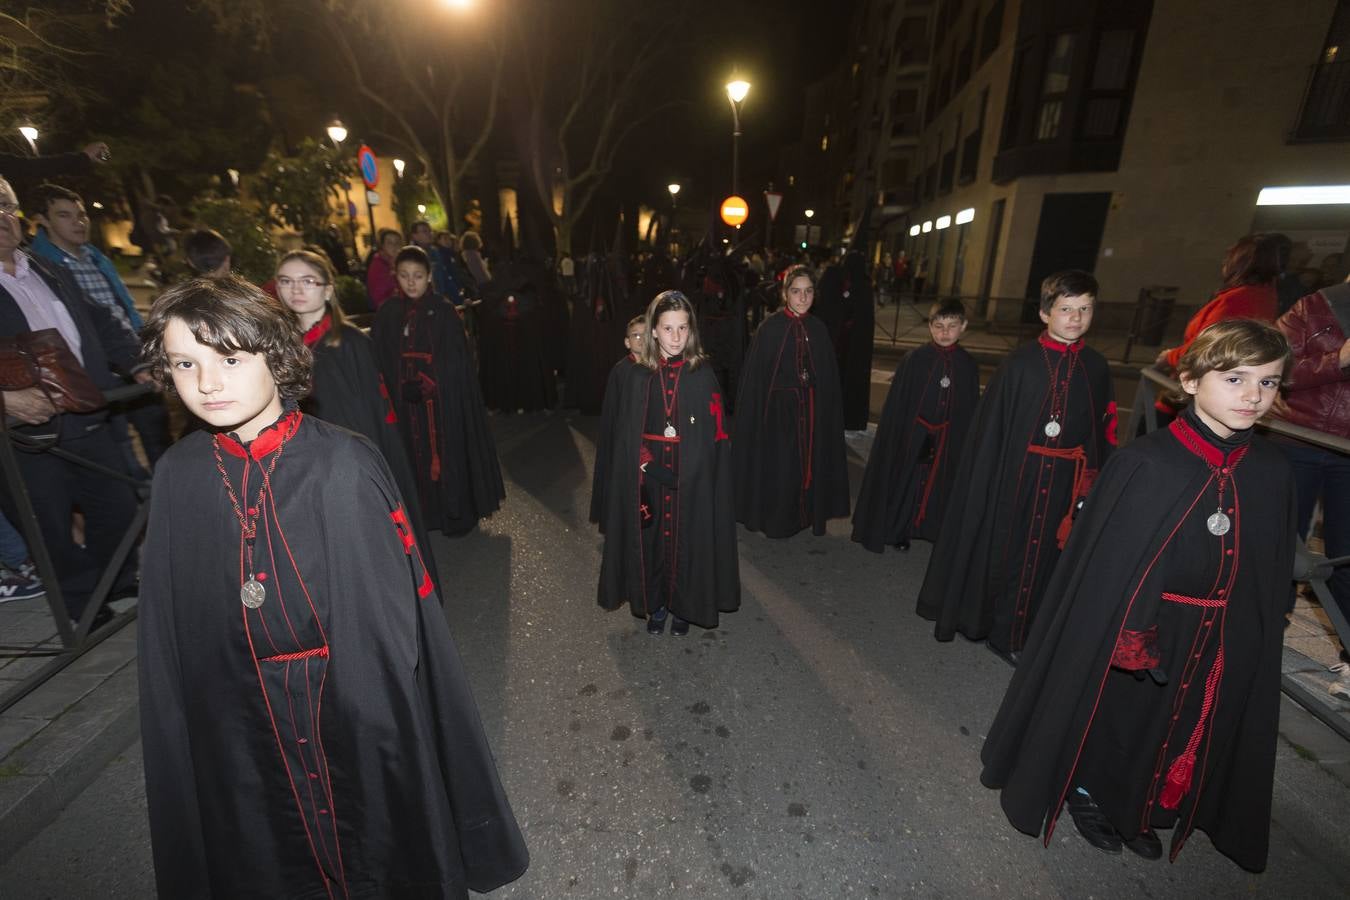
(792, 315)
(1052, 344)
(941, 349)
(318, 330)
(671, 363)
(268, 440)
(1195, 442)
(632, 356)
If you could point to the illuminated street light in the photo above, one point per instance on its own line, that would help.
(944, 222)
(914, 230)
(337, 132)
(96, 205)
(458, 4)
(737, 89)
(674, 189)
(31, 133)
(399, 166)
(422, 209)
(809, 213)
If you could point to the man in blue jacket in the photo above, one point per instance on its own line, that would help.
(63, 239)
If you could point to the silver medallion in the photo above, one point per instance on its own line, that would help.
(670, 430)
(945, 382)
(253, 593)
(1052, 429)
(1218, 524)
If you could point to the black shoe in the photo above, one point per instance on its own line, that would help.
(1011, 657)
(1092, 823)
(902, 545)
(1148, 844)
(678, 627)
(656, 622)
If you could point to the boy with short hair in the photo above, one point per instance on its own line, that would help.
(634, 338)
(1042, 430)
(1149, 695)
(923, 428)
(303, 707)
(208, 253)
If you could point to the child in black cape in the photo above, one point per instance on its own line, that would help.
(292, 644)
(912, 467)
(1149, 693)
(347, 389)
(670, 535)
(633, 342)
(424, 358)
(1041, 432)
(788, 456)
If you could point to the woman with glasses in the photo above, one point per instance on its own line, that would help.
(347, 388)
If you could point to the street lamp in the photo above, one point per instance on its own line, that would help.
(337, 132)
(421, 209)
(31, 133)
(736, 92)
(674, 189)
(399, 166)
(809, 213)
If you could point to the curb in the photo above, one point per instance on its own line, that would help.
(78, 722)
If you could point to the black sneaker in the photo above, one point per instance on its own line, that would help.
(656, 622)
(678, 627)
(1092, 823)
(1148, 844)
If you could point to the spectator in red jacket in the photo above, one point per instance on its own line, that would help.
(1317, 396)
(380, 281)
(1250, 268)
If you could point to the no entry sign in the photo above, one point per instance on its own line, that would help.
(735, 210)
(370, 166)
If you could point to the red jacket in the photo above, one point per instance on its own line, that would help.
(381, 284)
(1250, 301)
(1317, 390)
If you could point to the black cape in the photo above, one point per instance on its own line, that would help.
(325, 744)
(706, 566)
(429, 373)
(347, 391)
(1143, 584)
(855, 341)
(513, 349)
(604, 438)
(596, 328)
(912, 467)
(1012, 503)
(788, 454)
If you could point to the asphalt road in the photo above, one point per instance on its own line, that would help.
(820, 744)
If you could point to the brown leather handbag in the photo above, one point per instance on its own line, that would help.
(43, 360)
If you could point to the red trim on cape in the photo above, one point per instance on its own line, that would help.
(318, 330)
(1050, 343)
(787, 311)
(268, 440)
(1195, 442)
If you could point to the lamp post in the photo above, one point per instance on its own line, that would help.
(736, 91)
(399, 166)
(31, 134)
(337, 133)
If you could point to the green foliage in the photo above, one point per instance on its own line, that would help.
(351, 295)
(297, 191)
(253, 255)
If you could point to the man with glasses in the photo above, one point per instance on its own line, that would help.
(36, 295)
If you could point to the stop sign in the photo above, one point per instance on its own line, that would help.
(735, 210)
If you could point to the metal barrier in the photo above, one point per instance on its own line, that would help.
(1313, 568)
(913, 309)
(78, 637)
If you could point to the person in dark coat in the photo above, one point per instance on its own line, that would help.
(670, 533)
(854, 344)
(912, 467)
(512, 342)
(347, 389)
(634, 342)
(592, 334)
(788, 455)
(1041, 432)
(423, 356)
(308, 727)
(1149, 693)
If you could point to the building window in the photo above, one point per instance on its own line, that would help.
(970, 146)
(904, 113)
(991, 30)
(1055, 84)
(1326, 103)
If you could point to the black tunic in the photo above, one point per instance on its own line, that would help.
(604, 438)
(788, 454)
(912, 467)
(424, 359)
(325, 744)
(513, 349)
(348, 391)
(1016, 490)
(854, 343)
(671, 547)
(1144, 585)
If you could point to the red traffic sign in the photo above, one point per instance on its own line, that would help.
(735, 211)
(370, 166)
(775, 200)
